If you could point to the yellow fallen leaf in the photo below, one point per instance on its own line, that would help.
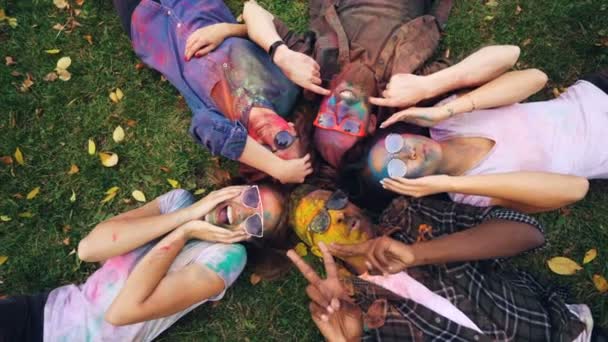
(112, 190)
(113, 97)
(590, 255)
(91, 147)
(73, 197)
(52, 51)
(61, 4)
(50, 77)
(19, 157)
(139, 196)
(174, 184)
(108, 197)
(64, 75)
(12, 22)
(301, 249)
(599, 281)
(119, 134)
(108, 159)
(3, 259)
(2, 14)
(119, 94)
(254, 279)
(563, 265)
(28, 82)
(64, 63)
(25, 214)
(200, 191)
(73, 169)
(32, 194)
(88, 38)
(5, 218)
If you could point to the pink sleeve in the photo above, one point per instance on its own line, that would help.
(478, 201)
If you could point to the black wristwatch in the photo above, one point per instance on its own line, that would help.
(273, 48)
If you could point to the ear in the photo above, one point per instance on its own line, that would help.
(373, 120)
(291, 124)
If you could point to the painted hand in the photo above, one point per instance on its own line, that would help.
(419, 187)
(205, 40)
(300, 69)
(403, 90)
(382, 254)
(205, 231)
(201, 208)
(332, 310)
(293, 170)
(426, 117)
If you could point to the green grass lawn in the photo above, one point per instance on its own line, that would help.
(52, 122)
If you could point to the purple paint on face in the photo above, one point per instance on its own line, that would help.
(420, 154)
(265, 125)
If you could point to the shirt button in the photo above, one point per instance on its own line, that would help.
(476, 337)
(437, 320)
(168, 12)
(179, 25)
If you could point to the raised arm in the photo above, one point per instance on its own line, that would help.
(206, 39)
(506, 89)
(300, 68)
(482, 66)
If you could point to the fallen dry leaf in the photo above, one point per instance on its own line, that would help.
(563, 265)
(66, 241)
(131, 123)
(174, 184)
(6, 160)
(489, 18)
(5, 218)
(26, 214)
(50, 77)
(119, 134)
(3, 259)
(112, 190)
(254, 279)
(165, 169)
(9, 61)
(108, 198)
(518, 10)
(590, 256)
(73, 169)
(88, 38)
(32, 194)
(52, 51)
(600, 283)
(19, 157)
(79, 2)
(555, 92)
(139, 66)
(16, 73)
(58, 27)
(200, 191)
(64, 75)
(28, 82)
(108, 159)
(61, 4)
(301, 249)
(12, 22)
(526, 42)
(138, 195)
(66, 229)
(73, 197)
(91, 147)
(492, 3)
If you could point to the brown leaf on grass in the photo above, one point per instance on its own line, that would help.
(18, 196)
(79, 2)
(108, 159)
(131, 123)
(600, 283)
(64, 75)
(9, 61)
(563, 265)
(66, 229)
(28, 82)
(50, 77)
(139, 66)
(165, 169)
(518, 10)
(590, 256)
(16, 73)
(88, 38)
(61, 4)
(73, 169)
(255, 279)
(3, 259)
(77, 12)
(19, 157)
(66, 241)
(6, 160)
(555, 92)
(58, 27)
(565, 211)
(526, 42)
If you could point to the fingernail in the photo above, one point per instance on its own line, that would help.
(335, 303)
(330, 309)
(324, 318)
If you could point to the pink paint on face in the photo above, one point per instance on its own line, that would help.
(264, 125)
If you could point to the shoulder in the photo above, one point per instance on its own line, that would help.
(226, 260)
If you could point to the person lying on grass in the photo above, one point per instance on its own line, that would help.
(159, 262)
(240, 100)
(439, 273)
(484, 150)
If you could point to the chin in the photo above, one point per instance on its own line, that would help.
(333, 145)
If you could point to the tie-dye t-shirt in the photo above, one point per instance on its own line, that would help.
(565, 135)
(76, 312)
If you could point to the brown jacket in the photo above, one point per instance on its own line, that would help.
(388, 36)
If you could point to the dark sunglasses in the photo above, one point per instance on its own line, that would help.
(282, 140)
(320, 223)
(254, 224)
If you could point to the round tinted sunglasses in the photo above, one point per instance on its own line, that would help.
(348, 126)
(254, 224)
(394, 143)
(282, 140)
(320, 223)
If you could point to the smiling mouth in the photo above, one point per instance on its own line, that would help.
(223, 216)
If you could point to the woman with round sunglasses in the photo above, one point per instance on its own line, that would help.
(158, 262)
(484, 150)
(240, 100)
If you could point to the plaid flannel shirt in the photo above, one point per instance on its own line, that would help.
(506, 306)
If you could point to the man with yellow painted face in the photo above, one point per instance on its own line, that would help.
(440, 279)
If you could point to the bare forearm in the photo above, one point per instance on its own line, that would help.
(120, 235)
(236, 30)
(535, 189)
(255, 155)
(492, 239)
(260, 25)
(507, 89)
(478, 68)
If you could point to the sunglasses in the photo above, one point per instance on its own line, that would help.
(320, 223)
(394, 143)
(348, 126)
(254, 224)
(282, 140)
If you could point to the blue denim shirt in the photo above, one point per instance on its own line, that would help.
(159, 31)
